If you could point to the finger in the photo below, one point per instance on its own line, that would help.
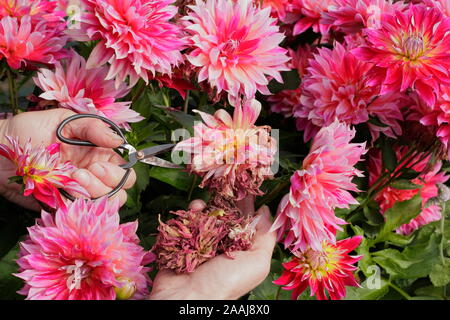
(91, 183)
(93, 130)
(247, 205)
(122, 196)
(111, 175)
(264, 239)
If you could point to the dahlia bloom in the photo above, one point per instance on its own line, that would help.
(83, 253)
(351, 16)
(37, 10)
(436, 117)
(135, 36)
(279, 8)
(328, 270)
(442, 5)
(24, 44)
(235, 46)
(41, 171)
(427, 181)
(305, 216)
(410, 50)
(341, 90)
(84, 90)
(231, 154)
(310, 15)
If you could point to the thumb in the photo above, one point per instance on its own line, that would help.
(265, 239)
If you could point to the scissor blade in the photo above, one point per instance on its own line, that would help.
(158, 162)
(154, 151)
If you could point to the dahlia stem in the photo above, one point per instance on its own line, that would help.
(12, 92)
(277, 296)
(139, 92)
(441, 245)
(186, 101)
(402, 292)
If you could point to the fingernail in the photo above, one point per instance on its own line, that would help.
(82, 176)
(98, 170)
(113, 135)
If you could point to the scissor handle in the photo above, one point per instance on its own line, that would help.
(74, 142)
(115, 128)
(109, 195)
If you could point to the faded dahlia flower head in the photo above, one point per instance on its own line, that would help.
(135, 36)
(196, 236)
(326, 271)
(25, 44)
(232, 154)
(351, 16)
(410, 50)
(41, 172)
(342, 91)
(235, 46)
(428, 181)
(84, 90)
(305, 216)
(83, 253)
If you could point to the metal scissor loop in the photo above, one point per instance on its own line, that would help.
(147, 155)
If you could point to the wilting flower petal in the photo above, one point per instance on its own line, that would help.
(231, 154)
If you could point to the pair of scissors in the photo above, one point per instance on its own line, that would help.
(147, 155)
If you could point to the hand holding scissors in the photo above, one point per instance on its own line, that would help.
(147, 155)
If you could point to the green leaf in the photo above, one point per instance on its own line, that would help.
(404, 184)
(388, 155)
(267, 290)
(398, 239)
(430, 291)
(409, 174)
(186, 120)
(9, 284)
(15, 179)
(440, 275)
(399, 214)
(291, 81)
(365, 293)
(416, 261)
(175, 177)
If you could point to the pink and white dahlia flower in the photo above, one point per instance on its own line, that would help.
(329, 270)
(83, 253)
(235, 46)
(351, 16)
(427, 186)
(38, 10)
(310, 13)
(41, 172)
(24, 44)
(410, 50)
(84, 90)
(305, 216)
(341, 91)
(231, 154)
(135, 36)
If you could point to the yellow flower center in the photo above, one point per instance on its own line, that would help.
(319, 264)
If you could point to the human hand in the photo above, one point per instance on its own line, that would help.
(98, 168)
(223, 278)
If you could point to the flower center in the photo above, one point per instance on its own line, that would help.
(413, 47)
(319, 263)
(78, 272)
